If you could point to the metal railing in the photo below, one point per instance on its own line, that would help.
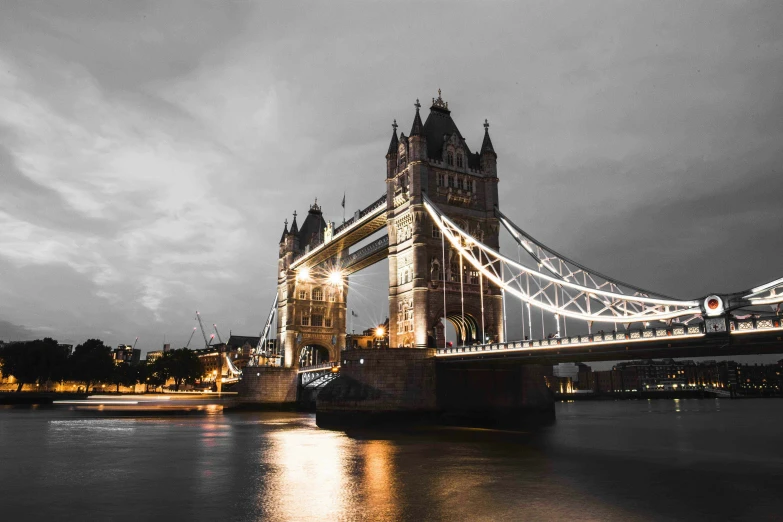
(378, 244)
(753, 324)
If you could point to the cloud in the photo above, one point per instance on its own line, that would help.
(14, 332)
(149, 153)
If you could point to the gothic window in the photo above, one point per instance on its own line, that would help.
(460, 183)
(440, 180)
(317, 320)
(451, 181)
(302, 294)
(459, 160)
(318, 294)
(474, 277)
(469, 185)
(305, 320)
(450, 158)
(333, 297)
(435, 232)
(402, 159)
(435, 272)
(328, 322)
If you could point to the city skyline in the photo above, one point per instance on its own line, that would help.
(150, 158)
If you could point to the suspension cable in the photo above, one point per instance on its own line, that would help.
(462, 299)
(481, 292)
(443, 271)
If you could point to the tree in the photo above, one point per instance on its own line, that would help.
(156, 373)
(124, 374)
(91, 362)
(184, 366)
(33, 361)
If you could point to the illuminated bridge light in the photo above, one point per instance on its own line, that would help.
(336, 279)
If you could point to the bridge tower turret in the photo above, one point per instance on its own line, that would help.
(435, 160)
(311, 300)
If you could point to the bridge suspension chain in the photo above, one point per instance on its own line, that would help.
(541, 288)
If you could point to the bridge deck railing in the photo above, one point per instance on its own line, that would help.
(736, 326)
(318, 367)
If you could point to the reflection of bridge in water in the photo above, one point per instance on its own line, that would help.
(442, 220)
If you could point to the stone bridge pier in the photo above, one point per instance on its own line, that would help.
(402, 386)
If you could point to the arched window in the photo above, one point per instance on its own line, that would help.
(318, 294)
(459, 160)
(450, 158)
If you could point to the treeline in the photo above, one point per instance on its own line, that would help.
(43, 360)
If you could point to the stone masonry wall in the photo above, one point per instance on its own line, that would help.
(268, 385)
(376, 381)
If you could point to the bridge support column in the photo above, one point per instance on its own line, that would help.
(385, 386)
(268, 387)
(409, 385)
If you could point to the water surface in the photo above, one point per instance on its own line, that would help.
(630, 460)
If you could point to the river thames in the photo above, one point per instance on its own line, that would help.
(631, 460)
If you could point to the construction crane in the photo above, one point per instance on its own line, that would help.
(191, 336)
(203, 333)
(134, 343)
(218, 333)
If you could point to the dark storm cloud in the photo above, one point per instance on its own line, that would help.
(151, 151)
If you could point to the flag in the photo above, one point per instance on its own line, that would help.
(343, 199)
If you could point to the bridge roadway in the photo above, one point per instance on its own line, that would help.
(763, 335)
(365, 223)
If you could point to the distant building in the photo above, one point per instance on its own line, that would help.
(237, 350)
(126, 353)
(154, 355)
(375, 337)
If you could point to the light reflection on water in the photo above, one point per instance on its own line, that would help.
(635, 460)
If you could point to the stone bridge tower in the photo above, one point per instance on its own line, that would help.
(434, 159)
(311, 303)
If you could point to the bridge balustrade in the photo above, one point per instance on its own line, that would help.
(736, 326)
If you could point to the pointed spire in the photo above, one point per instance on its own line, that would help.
(294, 226)
(487, 145)
(285, 231)
(418, 126)
(394, 140)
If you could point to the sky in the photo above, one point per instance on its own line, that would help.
(150, 151)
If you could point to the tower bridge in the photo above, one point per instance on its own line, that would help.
(443, 220)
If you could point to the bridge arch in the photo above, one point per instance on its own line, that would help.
(311, 354)
(467, 325)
